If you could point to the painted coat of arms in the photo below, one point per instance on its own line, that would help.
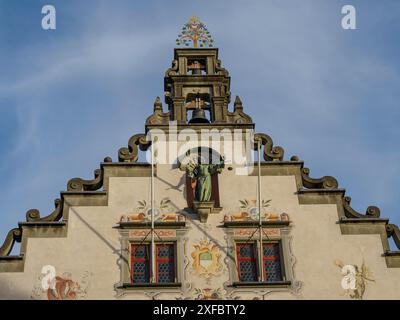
(206, 259)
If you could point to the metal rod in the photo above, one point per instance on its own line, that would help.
(260, 254)
(152, 215)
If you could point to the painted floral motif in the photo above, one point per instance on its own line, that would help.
(62, 287)
(207, 294)
(206, 259)
(355, 279)
(249, 212)
(163, 212)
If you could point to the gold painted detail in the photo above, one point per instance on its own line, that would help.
(254, 233)
(248, 211)
(163, 212)
(206, 259)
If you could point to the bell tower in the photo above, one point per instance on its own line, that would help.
(196, 86)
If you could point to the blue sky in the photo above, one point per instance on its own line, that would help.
(70, 97)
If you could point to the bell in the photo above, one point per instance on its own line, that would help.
(199, 116)
(196, 71)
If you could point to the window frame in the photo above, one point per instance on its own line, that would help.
(236, 233)
(140, 235)
(147, 261)
(148, 246)
(238, 260)
(256, 246)
(174, 261)
(281, 260)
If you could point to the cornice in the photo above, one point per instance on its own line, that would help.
(197, 127)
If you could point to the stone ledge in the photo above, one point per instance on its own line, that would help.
(12, 264)
(85, 198)
(197, 127)
(126, 164)
(364, 226)
(238, 224)
(11, 258)
(42, 224)
(126, 170)
(279, 163)
(277, 284)
(147, 224)
(43, 229)
(345, 220)
(320, 196)
(319, 191)
(392, 259)
(141, 286)
(278, 168)
(84, 193)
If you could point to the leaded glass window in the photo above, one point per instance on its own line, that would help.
(140, 263)
(165, 263)
(246, 259)
(272, 262)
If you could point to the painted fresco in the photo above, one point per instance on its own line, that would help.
(61, 287)
(163, 212)
(248, 211)
(355, 279)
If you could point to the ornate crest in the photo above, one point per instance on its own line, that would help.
(206, 259)
(195, 30)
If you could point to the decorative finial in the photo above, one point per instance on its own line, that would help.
(157, 104)
(238, 104)
(194, 30)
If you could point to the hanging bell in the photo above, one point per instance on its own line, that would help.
(196, 71)
(199, 116)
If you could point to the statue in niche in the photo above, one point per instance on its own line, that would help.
(201, 173)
